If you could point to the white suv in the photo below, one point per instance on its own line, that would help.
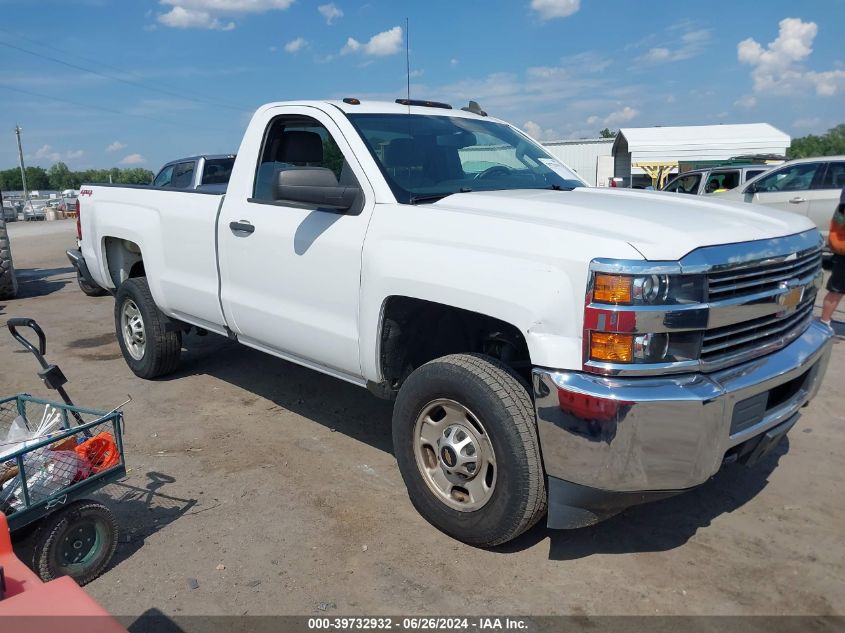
(807, 186)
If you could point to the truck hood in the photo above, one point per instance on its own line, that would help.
(661, 226)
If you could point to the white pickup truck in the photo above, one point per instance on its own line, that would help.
(551, 348)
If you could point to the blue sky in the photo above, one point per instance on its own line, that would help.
(178, 77)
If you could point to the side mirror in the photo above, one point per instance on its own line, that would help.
(313, 185)
(751, 189)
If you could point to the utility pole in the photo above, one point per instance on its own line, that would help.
(23, 169)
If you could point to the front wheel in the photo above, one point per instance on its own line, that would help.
(77, 541)
(150, 348)
(466, 444)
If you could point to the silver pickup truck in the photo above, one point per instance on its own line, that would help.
(207, 172)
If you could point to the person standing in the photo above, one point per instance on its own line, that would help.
(836, 283)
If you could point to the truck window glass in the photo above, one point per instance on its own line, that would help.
(217, 171)
(425, 155)
(183, 175)
(164, 176)
(297, 141)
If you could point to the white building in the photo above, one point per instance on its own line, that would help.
(590, 158)
(598, 159)
(693, 144)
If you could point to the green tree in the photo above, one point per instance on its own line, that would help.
(831, 143)
(135, 176)
(608, 133)
(61, 177)
(332, 157)
(10, 180)
(36, 178)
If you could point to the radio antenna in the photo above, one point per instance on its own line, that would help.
(408, 57)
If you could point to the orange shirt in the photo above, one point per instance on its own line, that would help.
(837, 231)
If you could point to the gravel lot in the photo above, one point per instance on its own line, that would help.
(285, 478)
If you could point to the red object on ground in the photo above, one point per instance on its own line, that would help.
(100, 452)
(31, 606)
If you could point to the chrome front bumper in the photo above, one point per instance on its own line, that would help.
(671, 432)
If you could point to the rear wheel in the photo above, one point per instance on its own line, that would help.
(77, 541)
(150, 348)
(466, 444)
(8, 281)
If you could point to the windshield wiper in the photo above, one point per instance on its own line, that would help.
(559, 188)
(434, 197)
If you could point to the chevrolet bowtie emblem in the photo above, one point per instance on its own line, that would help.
(792, 295)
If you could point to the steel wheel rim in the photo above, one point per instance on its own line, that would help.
(81, 546)
(132, 326)
(454, 455)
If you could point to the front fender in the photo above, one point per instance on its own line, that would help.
(532, 277)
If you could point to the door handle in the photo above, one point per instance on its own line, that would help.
(797, 200)
(239, 228)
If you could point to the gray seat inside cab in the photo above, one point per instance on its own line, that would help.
(291, 149)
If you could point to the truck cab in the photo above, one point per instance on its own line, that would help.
(552, 349)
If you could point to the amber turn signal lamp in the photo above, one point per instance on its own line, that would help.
(611, 347)
(612, 288)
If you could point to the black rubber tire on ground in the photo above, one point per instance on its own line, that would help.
(499, 399)
(8, 280)
(89, 289)
(54, 544)
(163, 345)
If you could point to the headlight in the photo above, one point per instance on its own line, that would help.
(649, 289)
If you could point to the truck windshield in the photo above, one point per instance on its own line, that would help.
(425, 158)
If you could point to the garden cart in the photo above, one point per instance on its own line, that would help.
(53, 457)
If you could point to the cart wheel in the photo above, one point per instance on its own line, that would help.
(77, 541)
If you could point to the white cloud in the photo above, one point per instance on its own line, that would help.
(182, 18)
(133, 159)
(615, 118)
(294, 46)
(115, 147)
(330, 12)
(690, 44)
(207, 14)
(47, 151)
(551, 9)
(778, 67)
(746, 101)
(385, 43)
(453, 62)
(535, 130)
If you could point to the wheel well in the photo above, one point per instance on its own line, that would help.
(414, 331)
(123, 258)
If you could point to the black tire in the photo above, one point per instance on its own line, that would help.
(89, 289)
(501, 403)
(8, 280)
(77, 541)
(162, 346)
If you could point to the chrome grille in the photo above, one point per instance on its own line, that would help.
(760, 282)
(755, 278)
(757, 333)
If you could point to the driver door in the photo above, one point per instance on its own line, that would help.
(290, 272)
